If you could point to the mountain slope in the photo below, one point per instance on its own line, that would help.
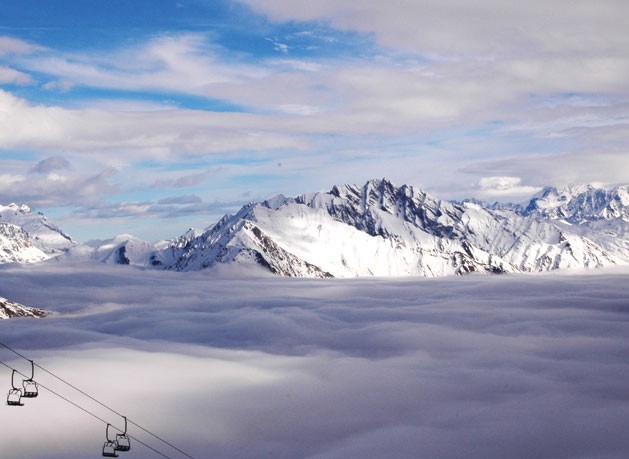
(123, 249)
(382, 230)
(10, 309)
(598, 214)
(44, 234)
(17, 247)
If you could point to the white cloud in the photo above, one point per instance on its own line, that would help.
(50, 188)
(61, 85)
(478, 367)
(505, 187)
(182, 63)
(12, 76)
(487, 27)
(278, 46)
(10, 45)
(121, 138)
(8, 180)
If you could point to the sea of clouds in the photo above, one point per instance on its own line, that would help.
(241, 365)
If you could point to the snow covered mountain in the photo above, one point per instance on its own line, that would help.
(382, 230)
(376, 229)
(10, 309)
(123, 249)
(599, 214)
(579, 204)
(16, 246)
(44, 234)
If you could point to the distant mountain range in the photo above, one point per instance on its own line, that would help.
(377, 229)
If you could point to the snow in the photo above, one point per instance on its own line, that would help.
(233, 365)
(44, 234)
(17, 247)
(11, 309)
(375, 230)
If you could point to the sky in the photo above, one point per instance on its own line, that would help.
(240, 366)
(152, 116)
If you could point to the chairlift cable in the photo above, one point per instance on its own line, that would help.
(85, 410)
(99, 402)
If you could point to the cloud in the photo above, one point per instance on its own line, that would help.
(170, 207)
(188, 199)
(10, 45)
(183, 63)
(181, 182)
(281, 47)
(55, 190)
(61, 85)
(12, 76)
(436, 27)
(51, 164)
(475, 367)
(500, 187)
(121, 138)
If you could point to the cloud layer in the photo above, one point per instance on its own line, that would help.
(246, 366)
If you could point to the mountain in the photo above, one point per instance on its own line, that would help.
(43, 234)
(377, 229)
(601, 215)
(382, 230)
(10, 309)
(579, 204)
(123, 249)
(16, 246)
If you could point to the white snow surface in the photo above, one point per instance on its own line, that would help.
(235, 366)
(44, 234)
(123, 249)
(17, 247)
(382, 230)
(377, 229)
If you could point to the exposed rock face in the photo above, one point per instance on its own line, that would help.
(376, 229)
(382, 230)
(579, 204)
(11, 309)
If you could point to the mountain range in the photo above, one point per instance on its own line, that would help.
(377, 229)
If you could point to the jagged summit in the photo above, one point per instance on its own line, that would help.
(380, 229)
(580, 203)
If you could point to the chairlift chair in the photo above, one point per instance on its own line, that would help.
(109, 447)
(14, 398)
(122, 439)
(30, 386)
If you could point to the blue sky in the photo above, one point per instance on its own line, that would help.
(148, 117)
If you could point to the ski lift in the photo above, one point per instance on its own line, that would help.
(122, 439)
(30, 386)
(109, 447)
(15, 394)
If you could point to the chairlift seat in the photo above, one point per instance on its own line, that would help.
(109, 449)
(123, 443)
(30, 389)
(14, 398)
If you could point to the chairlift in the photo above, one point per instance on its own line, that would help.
(30, 386)
(109, 447)
(14, 398)
(122, 439)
